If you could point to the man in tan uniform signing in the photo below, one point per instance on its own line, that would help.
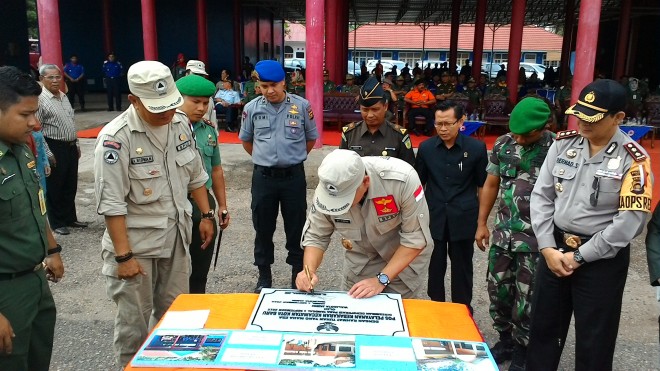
(378, 207)
(146, 163)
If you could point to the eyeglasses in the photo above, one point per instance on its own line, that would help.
(53, 78)
(446, 124)
(595, 185)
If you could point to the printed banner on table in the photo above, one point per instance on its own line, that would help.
(257, 350)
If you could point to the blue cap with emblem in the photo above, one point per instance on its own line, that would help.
(270, 71)
(340, 175)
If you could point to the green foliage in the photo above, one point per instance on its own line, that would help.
(33, 23)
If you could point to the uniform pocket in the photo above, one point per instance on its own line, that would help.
(352, 234)
(11, 193)
(146, 233)
(387, 226)
(184, 157)
(293, 130)
(262, 129)
(145, 183)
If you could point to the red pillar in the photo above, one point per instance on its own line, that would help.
(478, 49)
(49, 30)
(238, 50)
(567, 42)
(585, 50)
(622, 42)
(331, 39)
(202, 39)
(149, 36)
(314, 52)
(342, 68)
(453, 39)
(515, 45)
(107, 26)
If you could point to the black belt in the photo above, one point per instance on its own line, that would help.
(11, 276)
(279, 172)
(63, 142)
(569, 240)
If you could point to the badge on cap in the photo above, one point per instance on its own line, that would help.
(183, 137)
(139, 151)
(614, 163)
(160, 87)
(590, 97)
(571, 153)
(559, 187)
(332, 189)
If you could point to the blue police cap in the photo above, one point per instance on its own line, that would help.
(270, 71)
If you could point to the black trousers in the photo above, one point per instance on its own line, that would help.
(460, 253)
(62, 184)
(230, 114)
(200, 258)
(76, 88)
(113, 91)
(273, 189)
(593, 294)
(426, 112)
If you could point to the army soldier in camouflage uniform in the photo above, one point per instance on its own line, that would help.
(498, 87)
(328, 85)
(374, 135)
(474, 95)
(513, 167)
(350, 86)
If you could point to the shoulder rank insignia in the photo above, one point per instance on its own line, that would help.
(635, 151)
(567, 134)
(348, 127)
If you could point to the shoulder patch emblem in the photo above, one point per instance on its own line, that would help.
(348, 127)
(635, 151)
(567, 134)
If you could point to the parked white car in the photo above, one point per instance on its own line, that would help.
(387, 65)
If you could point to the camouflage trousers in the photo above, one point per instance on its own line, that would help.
(510, 281)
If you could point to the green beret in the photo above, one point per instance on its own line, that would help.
(528, 115)
(195, 86)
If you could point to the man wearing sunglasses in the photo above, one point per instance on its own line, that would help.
(513, 167)
(452, 167)
(592, 198)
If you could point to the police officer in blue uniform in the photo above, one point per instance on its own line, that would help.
(112, 72)
(278, 131)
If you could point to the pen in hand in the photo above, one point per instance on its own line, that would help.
(309, 277)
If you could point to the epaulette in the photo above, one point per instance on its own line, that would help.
(634, 151)
(566, 134)
(398, 128)
(349, 127)
(208, 122)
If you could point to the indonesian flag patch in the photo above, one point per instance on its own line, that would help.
(385, 205)
(419, 193)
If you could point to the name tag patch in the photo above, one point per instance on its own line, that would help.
(142, 160)
(387, 217)
(344, 221)
(183, 146)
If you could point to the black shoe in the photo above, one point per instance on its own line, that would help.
(265, 280)
(503, 349)
(110, 109)
(230, 130)
(78, 224)
(518, 358)
(62, 230)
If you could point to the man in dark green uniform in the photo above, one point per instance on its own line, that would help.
(513, 167)
(328, 85)
(375, 136)
(195, 91)
(498, 87)
(445, 88)
(29, 254)
(249, 89)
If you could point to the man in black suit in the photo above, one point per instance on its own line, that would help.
(452, 167)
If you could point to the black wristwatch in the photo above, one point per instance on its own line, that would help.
(209, 215)
(55, 249)
(578, 257)
(383, 278)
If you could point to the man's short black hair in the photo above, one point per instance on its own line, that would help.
(459, 110)
(15, 84)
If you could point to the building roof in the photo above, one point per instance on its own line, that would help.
(410, 37)
(537, 12)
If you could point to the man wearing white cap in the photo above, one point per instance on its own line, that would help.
(195, 67)
(378, 207)
(145, 165)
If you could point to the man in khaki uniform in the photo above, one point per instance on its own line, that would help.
(378, 207)
(146, 163)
